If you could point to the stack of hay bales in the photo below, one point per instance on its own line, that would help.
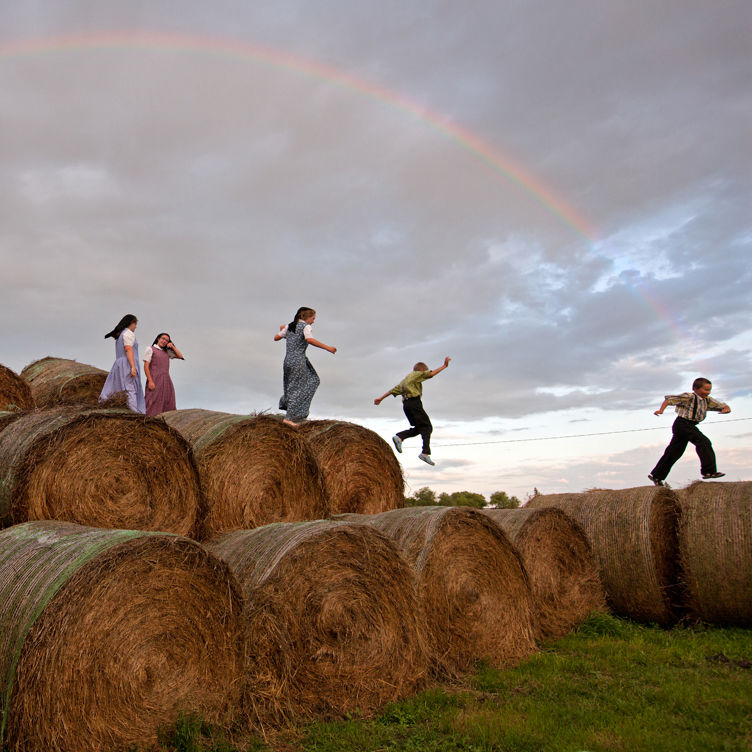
(332, 623)
(471, 584)
(59, 381)
(254, 470)
(633, 534)
(109, 634)
(715, 544)
(15, 393)
(104, 468)
(361, 473)
(559, 562)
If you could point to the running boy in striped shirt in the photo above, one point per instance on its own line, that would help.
(691, 408)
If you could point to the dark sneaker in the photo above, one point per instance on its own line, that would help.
(657, 481)
(397, 443)
(426, 458)
(708, 476)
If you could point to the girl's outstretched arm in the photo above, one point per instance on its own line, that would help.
(316, 343)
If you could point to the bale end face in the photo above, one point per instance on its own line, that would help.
(103, 468)
(332, 619)
(137, 633)
(361, 473)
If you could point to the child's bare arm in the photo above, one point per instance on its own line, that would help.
(660, 410)
(316, 343)
(440, 368)
(378, 400)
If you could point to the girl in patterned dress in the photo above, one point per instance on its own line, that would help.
(300, 379)
(160, 391)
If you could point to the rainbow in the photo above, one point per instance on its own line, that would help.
(479, 148)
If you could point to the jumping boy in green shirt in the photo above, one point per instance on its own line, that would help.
(411, 391)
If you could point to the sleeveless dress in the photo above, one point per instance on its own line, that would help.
(119, 378)
(162, 397)
(300, 380)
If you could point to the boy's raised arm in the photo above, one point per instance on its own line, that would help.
(440, 368)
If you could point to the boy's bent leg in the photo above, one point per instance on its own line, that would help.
(408, 433)
(674, 450)
(425, 432)
(705, 452)
(420, 422)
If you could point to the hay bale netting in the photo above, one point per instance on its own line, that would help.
(715, 545)
(59, 381)
(634, 536)
(109, 634)
(15, 393)
(332, 621)
(471, 582)
(105, 468)
(254, 470)
(560, 564)
(361, 473)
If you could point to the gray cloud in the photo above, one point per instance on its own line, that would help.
(212, 193)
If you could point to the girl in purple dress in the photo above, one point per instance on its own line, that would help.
(125, 374)
(160, 392)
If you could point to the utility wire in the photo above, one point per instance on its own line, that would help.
(582, 435)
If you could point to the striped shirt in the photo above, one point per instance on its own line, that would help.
(411, 385)
(694, 408)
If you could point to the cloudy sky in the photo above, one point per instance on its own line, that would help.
(555, 194)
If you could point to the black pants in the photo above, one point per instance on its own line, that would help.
(686, 432)
(420, 422)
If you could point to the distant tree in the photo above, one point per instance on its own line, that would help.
(423, 497)
(462, 499)
(500, 500)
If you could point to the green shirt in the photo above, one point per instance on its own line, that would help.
(411, 385)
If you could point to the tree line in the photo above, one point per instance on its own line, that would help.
(427, 497)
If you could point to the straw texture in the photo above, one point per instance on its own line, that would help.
(560, 564)
(471, 582)
(715, 543)
(254, 470)
(634, 536)
(106, 468)
(7, 417)
(15, 393)
(332, 620)
(59, 381)
(109, 634)
(361, 473)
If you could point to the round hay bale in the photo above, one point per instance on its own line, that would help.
(109, 634)
(254, 470)
(15, 393)
(471, 583)
(715, 544)
(361, 473)
(105, 468)
(59, 381)
(633, 534)
(332, 622)
(560, 564)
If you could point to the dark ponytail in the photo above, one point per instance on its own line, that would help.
(124, 323)
(300, 313)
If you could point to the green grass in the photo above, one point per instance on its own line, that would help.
(610, 686)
